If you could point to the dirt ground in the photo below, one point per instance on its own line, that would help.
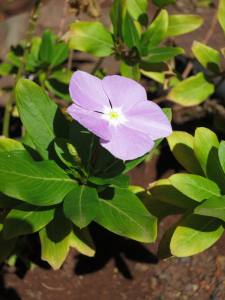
(122, 269)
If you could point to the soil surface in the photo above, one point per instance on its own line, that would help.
(121, 269)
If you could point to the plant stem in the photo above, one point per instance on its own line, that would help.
(90, 154)
(97, 65)
(30, 31)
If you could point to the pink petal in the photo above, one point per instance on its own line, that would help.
(123, 92)
(148, 117)
(126, 143)
(90, 120)
(86, 91)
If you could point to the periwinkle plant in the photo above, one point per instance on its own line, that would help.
(69, 168)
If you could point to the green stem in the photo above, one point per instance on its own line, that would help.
(30, 31)
(97, 65)
(90, 155)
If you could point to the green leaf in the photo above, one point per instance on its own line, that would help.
(58, 89)
(63, 76)
(5, 69)
(80, 205)
(155, 33)
(130, 33)
(14, 58)
(181, 24)
(157, 55)
(62, 147)
(81, 240)
(117, 14)
(39, 183)
(26, 219)
(125, 215)
(7, 144)
(191, 91)
(195, 187)
(181, 144)
(33, 59)
(221, 14)
(38, 114)
(213, 207)
(157, 76)
(7, 202)
(60, 54)
(130, 71)
(46, 47)
(206, 150)
(137, 8)
(195, 234)
(204, 141)
(118, 181)
(162, 3)
(81, 139)
(55, 240)
(164, 191)
(207, 56)
(221, 153)
(91, 37)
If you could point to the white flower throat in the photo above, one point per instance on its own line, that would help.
(114, 115)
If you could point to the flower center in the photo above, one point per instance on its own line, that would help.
(114, 116)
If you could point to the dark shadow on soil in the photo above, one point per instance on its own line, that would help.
(7, 293)
(110, 246)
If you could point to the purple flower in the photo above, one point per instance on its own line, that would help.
(117, 110)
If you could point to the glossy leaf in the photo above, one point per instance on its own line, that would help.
(204, 142)
(221, 14)
(195, 234)
(55, 240)
(37, 113)
(157, 55)
(207, 56)
(162, 3)
(118, 181)
(81, 240)
(164, 191)
(195, 187)
(91, 37)
(181, 144)
(156, 76)
(155, 33)
(221, 153)
(130, 32)
(213, 207)
(181, 24)
(191, 91)
(38, 183)
(117, 14)
(125, 215)
(26, 219)
(130, 71)
(60, 54)
(7, 144)
(137, 8)
(80, 205)
(46, 47)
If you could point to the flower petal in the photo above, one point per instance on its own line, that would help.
(123, 92)
(90, 120)
(86, 91)
(148, 117)
(126, 143)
